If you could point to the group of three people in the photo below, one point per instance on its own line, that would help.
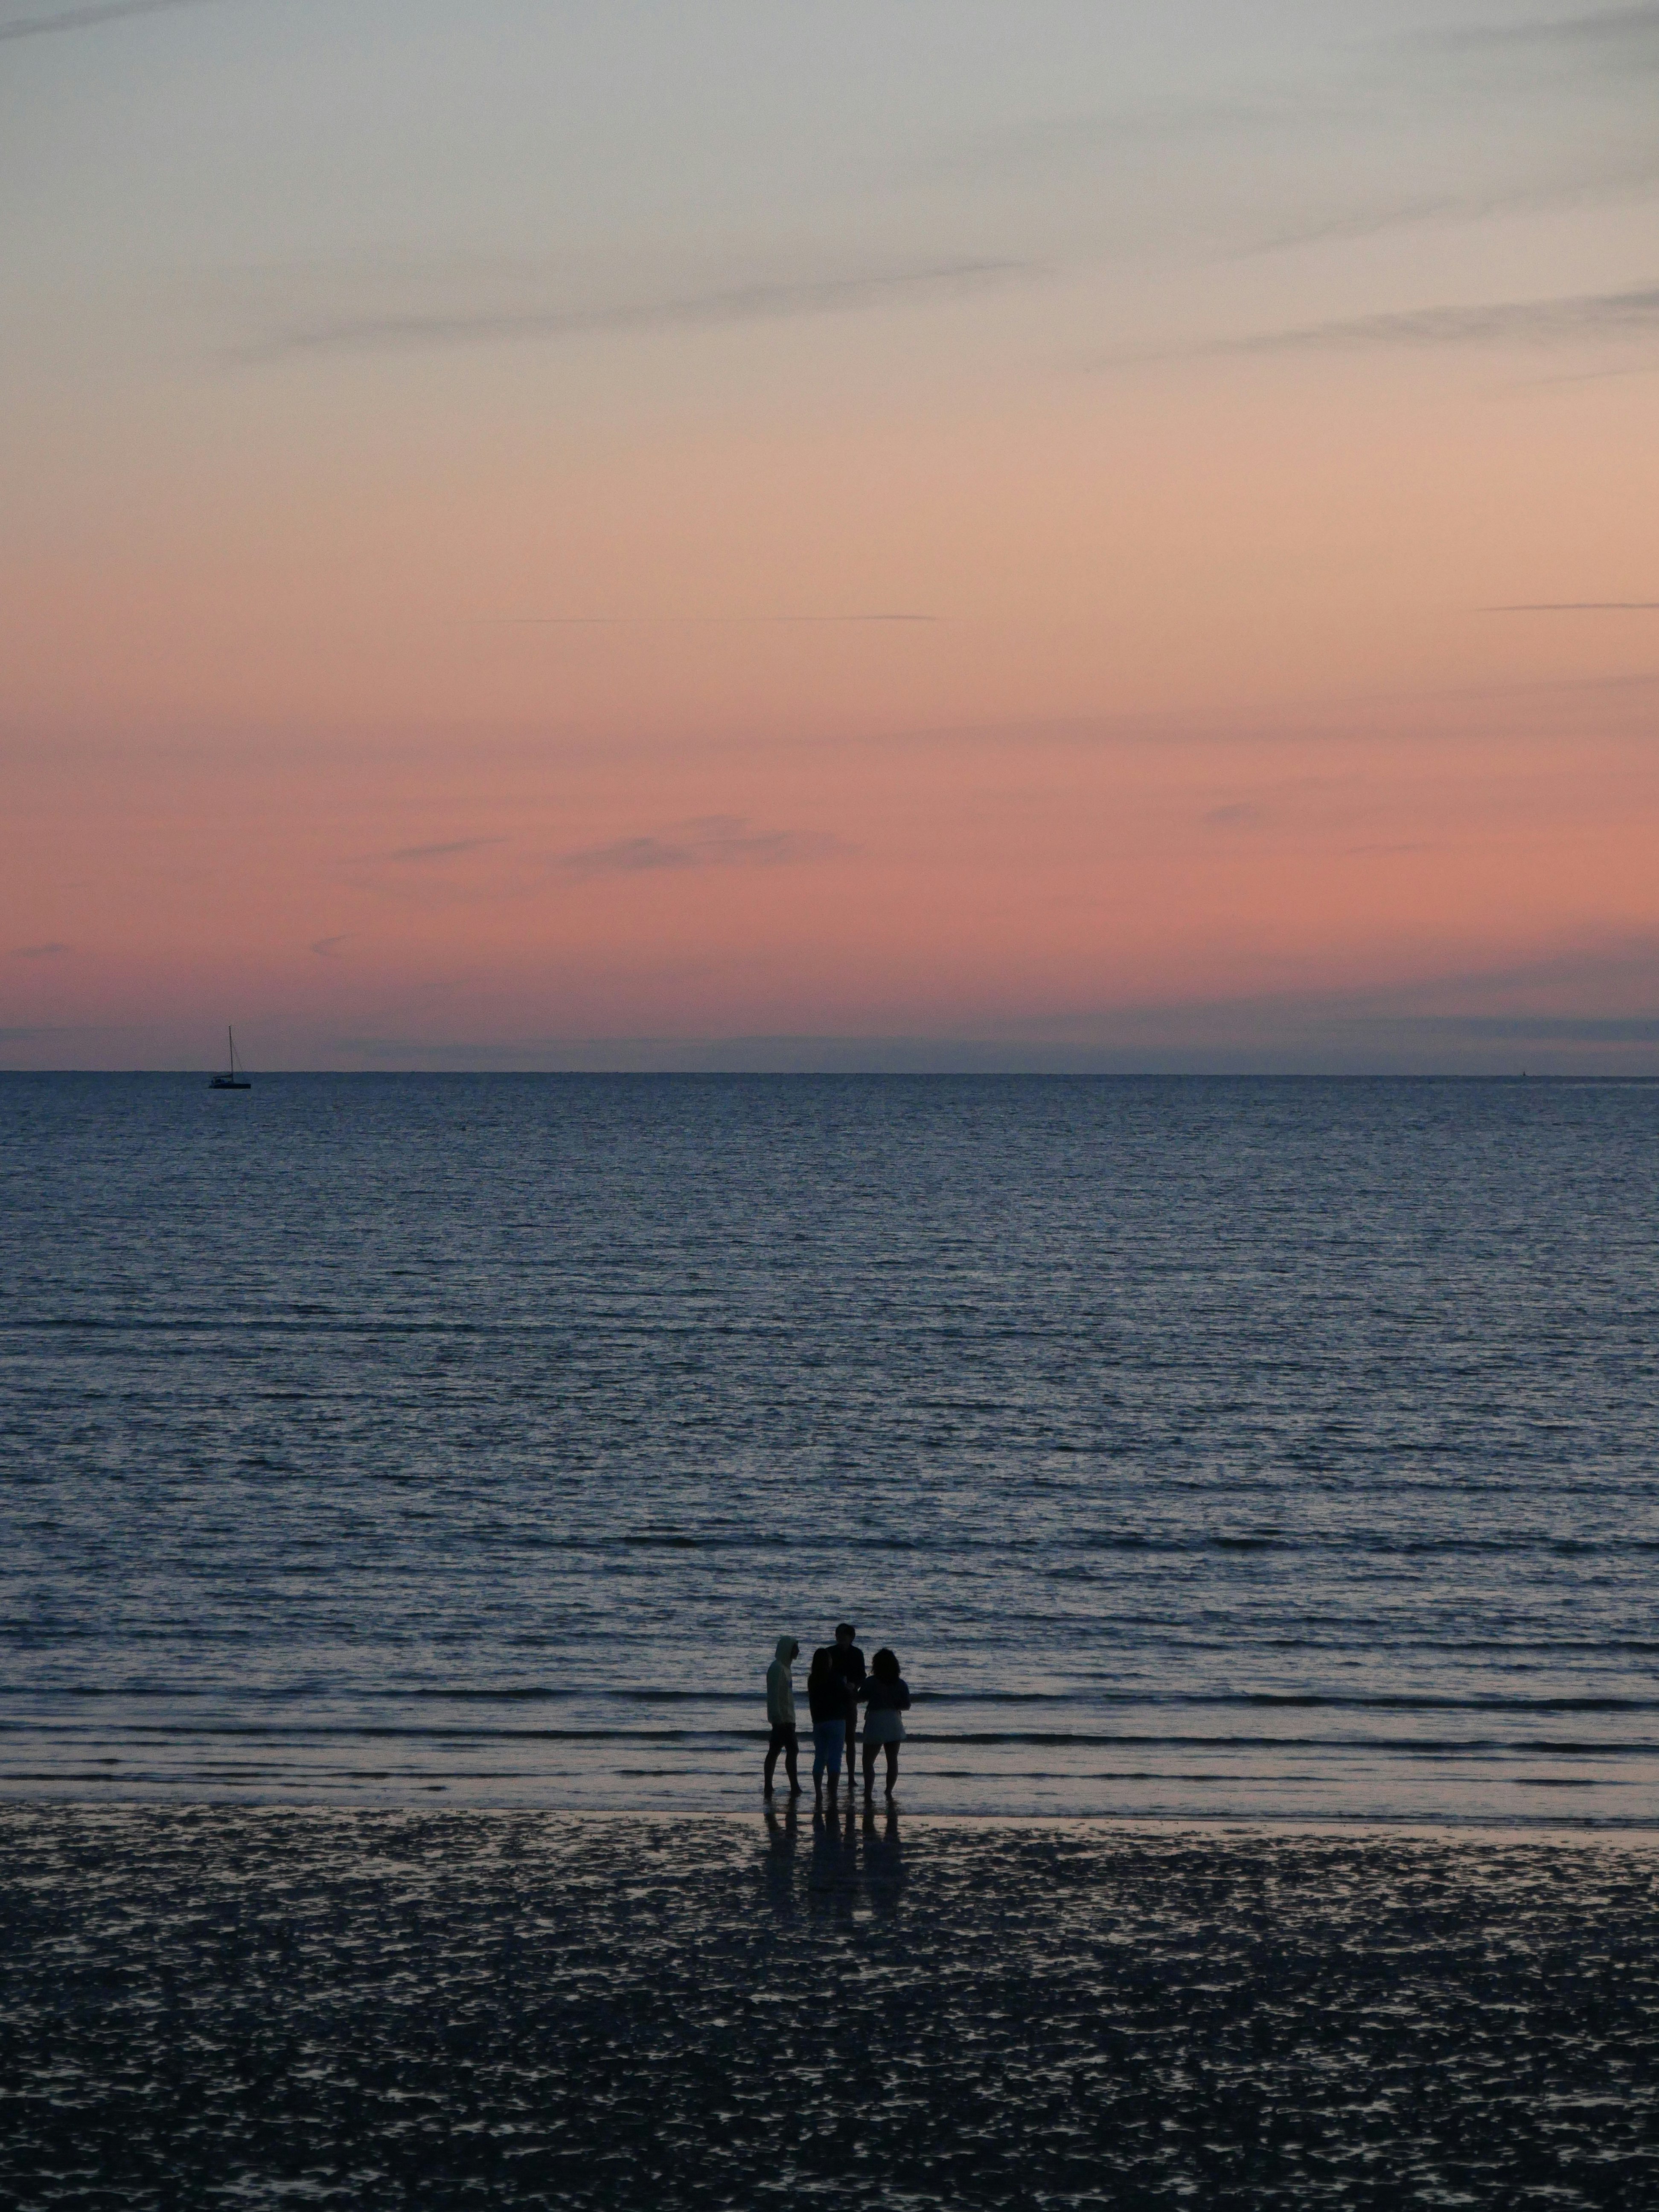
(837, 1684)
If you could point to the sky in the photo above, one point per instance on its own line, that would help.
(1116, 536)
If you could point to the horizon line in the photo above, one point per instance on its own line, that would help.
(877, 1074)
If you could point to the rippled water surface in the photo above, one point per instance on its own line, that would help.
(1203, 1447)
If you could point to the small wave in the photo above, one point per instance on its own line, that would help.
(297, 1735)
(1406, 1701)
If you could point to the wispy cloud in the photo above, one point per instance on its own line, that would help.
(447, 851)
(690, 621)
(1331, 123)
(1494, 323)
(1546, 1029)
(764, 299)
(90, 18)
(1007, 149)
(1601, 176)
(1558, 687)
(1622, 36)
(1577, 607)
(1575, 1008)
(714, 841)
(53, 951)
(328, 948)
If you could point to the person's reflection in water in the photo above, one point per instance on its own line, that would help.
(832, 1878)
(782, 1838)
(884, 1860)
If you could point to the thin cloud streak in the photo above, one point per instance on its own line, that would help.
(1627, 969)
(53, 952)
(1586, 376)
(1574, 1000)
(91, 19)
(718, 842)
(1505, 322)
(447, 851)
(1041, 142)
(761, 302)
(686, 621)
(1618, 32)
(1546, 1029)
(1577, 607)
(1620, 181)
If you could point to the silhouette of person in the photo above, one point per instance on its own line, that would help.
(847, 1661)
(826, 1695)
(781, 1711)
(886, 1695)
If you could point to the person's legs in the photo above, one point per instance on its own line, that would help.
(892, 1768)
(869, 1766)
(783, 1740)
(826, 1756)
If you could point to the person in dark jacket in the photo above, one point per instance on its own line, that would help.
(886, 1695)
(827, 1696)
(848, 1662)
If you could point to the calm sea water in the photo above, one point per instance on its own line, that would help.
(1203, 1447)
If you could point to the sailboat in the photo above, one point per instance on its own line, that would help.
(230, 1080)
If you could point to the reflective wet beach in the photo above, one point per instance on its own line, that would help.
(213, 2006)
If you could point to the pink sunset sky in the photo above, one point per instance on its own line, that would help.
(962, 536)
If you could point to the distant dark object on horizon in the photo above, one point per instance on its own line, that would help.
(230, 1080)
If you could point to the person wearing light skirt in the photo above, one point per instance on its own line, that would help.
(884, 1697)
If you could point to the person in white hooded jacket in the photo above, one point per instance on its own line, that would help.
(781, 1711)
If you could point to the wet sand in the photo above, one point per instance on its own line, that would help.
(220, 2006)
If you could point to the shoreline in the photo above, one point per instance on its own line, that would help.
(1631, 1835)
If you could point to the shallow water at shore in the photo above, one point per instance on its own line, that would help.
(217, 2007)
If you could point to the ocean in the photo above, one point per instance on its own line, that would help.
(1206, 1449)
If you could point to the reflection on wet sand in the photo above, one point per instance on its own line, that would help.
(883, 1861)
(832, 1878)
(854, 1863)
(783, 1844)
(216, 2004)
